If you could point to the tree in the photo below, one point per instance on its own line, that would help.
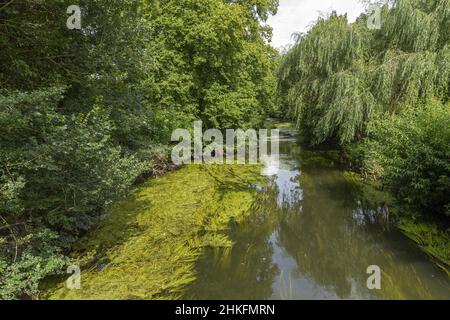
(339, 75)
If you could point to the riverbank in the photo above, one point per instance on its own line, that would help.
(429, 236)
(147, 246)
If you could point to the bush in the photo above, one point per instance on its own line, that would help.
(56, 174)
(410, 151)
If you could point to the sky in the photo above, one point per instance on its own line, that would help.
(297, 16)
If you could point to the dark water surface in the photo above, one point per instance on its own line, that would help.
(313, 237)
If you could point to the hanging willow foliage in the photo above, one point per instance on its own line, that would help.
(339, 74)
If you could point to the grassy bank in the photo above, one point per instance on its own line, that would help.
(430, 238)
(147, 245)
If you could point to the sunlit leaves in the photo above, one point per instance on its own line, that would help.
(339, 75)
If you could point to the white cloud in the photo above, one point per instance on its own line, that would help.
(298, 15)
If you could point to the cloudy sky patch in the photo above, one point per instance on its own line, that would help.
(298, 15)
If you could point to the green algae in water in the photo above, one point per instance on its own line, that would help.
(152, 239)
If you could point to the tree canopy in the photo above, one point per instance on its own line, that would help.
(84, 113)
(339, 75)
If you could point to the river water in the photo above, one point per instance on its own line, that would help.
(313, 235)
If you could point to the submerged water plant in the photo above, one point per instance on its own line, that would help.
(152, 239)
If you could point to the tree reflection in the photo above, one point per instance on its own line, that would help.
(312, 236)
(246, 271)
(335, 238)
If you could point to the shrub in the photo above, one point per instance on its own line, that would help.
(56, 174)
(411, 153)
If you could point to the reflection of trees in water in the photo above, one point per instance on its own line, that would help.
(332, 237)
(321, 250)
(315, 242)
(334, 251)
(246, 271)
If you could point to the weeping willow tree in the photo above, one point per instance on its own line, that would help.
(339, 75)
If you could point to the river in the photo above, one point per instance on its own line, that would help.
(313, 235)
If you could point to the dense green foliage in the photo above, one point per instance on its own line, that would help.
(339, 75)
(412, 151)
(346, 83)
(83, 113)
